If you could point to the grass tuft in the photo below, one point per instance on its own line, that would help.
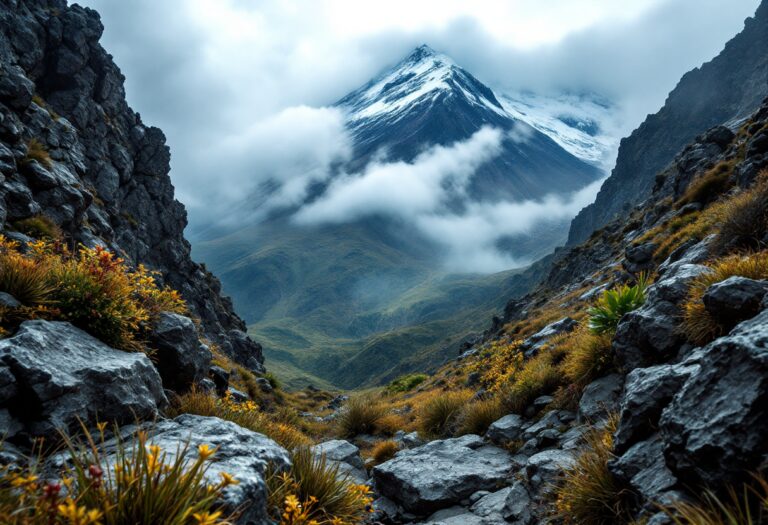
(588, 356)
(743, 219)
(384, 451)
(39, 227)
(710, 185)
(405, 383)
(476, 417)
(37, 151)
(438, 417)
(360, 415)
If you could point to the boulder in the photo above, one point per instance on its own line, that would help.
(220, 378)
(63, 375)
(242, 453)
(491, 505)
(600, 398)
(442, 473)
(8, 301)
(545, 467)
(181, 359)
(644, 469)
(517, 506)
(639, 258)
(455, 516)
(650, 335)
(345, 455)
(647, 392)
(714, 429)
(508, 428)
(734, 300)
(244, 350)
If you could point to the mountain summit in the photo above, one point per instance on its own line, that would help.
(427, 99)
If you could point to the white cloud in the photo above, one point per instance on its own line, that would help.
(404, 189)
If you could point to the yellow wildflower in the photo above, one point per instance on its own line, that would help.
(207, 518)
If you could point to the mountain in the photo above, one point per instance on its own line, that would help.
(104, 177)
(349, 302)
(726, 89)
(427, 99)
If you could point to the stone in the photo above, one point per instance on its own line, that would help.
(647, 392)
(491, 504)
(643, 467)
(532, 345)
(243, 350)
(454, 516)
(220, 378)
(508, 428)
(650, 334)
(384, 510)
(442, 473)
(264, 385)
(545, 467)
(734, 300)
(181, 359)
(237, 395)
(66, 375)
(409, 440)
(517, 506)
(542, 402)
(714, 429)
(8, 301)
(345, 455)
(242, 453)
(639, 258)
(600, 398)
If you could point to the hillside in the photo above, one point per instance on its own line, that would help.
(726, 89)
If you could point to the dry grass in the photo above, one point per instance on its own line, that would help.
(384, 451)
(743, 218)
(438, 417)
(247, 415)
(538, 376)
(476, 417)
(588, 356)
(748, 506)
(710, 185)
(39, 227)
(700, 327)
(589, 494)
(360, 415)
(37, 151)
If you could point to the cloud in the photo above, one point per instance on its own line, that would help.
(404, 189)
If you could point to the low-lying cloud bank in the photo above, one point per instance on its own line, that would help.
(417, 194)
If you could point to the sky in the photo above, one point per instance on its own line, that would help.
(243, 89)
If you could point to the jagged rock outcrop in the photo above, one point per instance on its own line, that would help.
(71, 149)
(180, 357)
(53, 375)
(728, 88)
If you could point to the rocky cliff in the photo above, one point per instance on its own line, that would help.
(726, 89)
(71, 150)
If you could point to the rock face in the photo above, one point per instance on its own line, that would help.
(54, 373)
(241, 453)
(727, 88)
(442, 473)
(735, 299)
(180, 357)
(103, 176)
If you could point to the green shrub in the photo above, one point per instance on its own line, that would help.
(605, 315)
(315, 490)
(360, 415)
(406, 383)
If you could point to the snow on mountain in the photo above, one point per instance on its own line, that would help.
(581, 124)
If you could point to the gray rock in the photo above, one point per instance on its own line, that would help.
(715, 427)
(441, 473)
(531, 345)
(491, 505)
(242, 349)
(384, 509)
(517, 507)
(542, 402)
(545, 467)
(646, 393)
(410, 440)
(66, 374)
(600, 398)
(237, 395)
(220, 378)
(553, 419)
(454, 516)
(734, 300)
(643, 467)
(345, 455)
(650, 335)
(241, 453)
(181, 359)
(639, 258)
(8, 301)
(508, 428)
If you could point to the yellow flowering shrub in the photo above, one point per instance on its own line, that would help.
(142, 484)
(91, 288)
(498, 364)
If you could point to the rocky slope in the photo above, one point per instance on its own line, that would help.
(726, 89)
(101, 174)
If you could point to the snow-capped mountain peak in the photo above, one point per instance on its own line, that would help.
(423, 77)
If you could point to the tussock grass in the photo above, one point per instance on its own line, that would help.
(360, 415)
(313, 491)
(588, 356)
(748, 506)
(405, 383)
(37, 151)
(700, 327)
(438, 417)
(743, 218)
(588, 493)
(476, 417)
(39, 227)
(384, 451)
(538, 376)
(710, 185)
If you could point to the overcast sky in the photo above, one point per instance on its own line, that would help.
(242, 87)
